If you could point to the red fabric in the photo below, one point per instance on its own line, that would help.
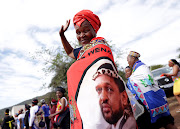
(74, 75)
(52, 111)
(87, 15)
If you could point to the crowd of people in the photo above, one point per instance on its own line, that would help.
(40, 115)
(98, 97)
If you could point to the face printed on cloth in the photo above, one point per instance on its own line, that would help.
(110, 98)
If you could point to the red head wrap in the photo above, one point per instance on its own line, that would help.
(87, 15)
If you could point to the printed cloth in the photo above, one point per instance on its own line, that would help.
(84, 106)
(59, 117)
(148, 91)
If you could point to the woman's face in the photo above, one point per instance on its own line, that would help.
(171, 64)
(59, 94)
(85, 33)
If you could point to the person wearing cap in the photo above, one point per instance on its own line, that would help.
(46, 111)
(7, 121)
(33, 110)
(86, 24)
(113, 99)
(52, 111)
(150, 96)
(26, 117)
(62, 114)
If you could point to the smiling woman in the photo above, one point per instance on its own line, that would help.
(85, 98)
(86, 24)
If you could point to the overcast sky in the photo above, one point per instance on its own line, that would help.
(150, 27)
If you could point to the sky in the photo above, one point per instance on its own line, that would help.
(150, 27)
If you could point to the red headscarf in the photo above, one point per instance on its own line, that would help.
(87, 15)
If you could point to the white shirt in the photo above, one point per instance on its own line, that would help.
(33, 111)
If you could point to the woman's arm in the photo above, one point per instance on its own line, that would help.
(61, 110)
(66, 45)
(175, 71)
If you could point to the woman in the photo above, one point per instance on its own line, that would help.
(86, 24)
(94, 51)
(52, 111)
(175, 76)
(62, 115)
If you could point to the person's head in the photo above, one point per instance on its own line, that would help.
(60, 92)
(128, 72)
(86, 24)
(7, 111)
(20, 111)
(34, 102)
(27, 107)
(172, 62)
(16, 114)
(111, 91)
(132, 58)
(42, 101)
(53, 102)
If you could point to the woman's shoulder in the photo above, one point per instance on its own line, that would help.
(63, 98)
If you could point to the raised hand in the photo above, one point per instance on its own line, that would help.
(64, 27)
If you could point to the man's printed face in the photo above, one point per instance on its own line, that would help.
(109, 98)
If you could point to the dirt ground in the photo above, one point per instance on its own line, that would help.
(173, 107)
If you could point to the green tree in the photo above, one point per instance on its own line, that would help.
(56, 61)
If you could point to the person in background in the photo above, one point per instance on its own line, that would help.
(16, 120)
(149, 95)
(175, 76)
(26, 117)
(7, 121)
(52, 111)
(21, 119)
(46, 111)
(128, 72)
(33, 110)
(62, 115)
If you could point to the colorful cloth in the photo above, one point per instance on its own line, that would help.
(83, 15)
(135, 54)
(148, 91)
(59, 117)
(84, 106)
(76, 52)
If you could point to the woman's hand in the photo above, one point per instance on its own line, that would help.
(64, 27)
(50, 116)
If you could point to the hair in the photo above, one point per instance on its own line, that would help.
(175, 62)
(7, 111)
(128, 67)
(27, 106)
(35, 101)
(62, 90)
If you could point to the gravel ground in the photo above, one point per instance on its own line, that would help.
(173, 107)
